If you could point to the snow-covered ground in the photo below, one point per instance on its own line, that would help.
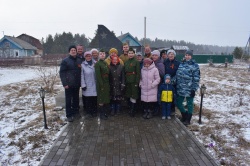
(23, 139)
(225, 130)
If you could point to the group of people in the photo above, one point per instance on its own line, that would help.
(153, 81)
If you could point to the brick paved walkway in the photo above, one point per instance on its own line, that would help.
(123, 140)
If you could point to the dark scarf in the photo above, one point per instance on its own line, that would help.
(90, 62)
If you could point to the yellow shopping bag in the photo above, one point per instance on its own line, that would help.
(167, 96)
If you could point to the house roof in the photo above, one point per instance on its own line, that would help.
(31, 40)
(180, 47)
(21, 43)
(128, 34)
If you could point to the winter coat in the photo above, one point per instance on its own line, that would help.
(102, 82)
(81, 57)
(150, 79)
(124, 58)
(132, 77)
(108, 60)
(171, 67)
(70, 72)
(187, 77)
(88, 79)
(116, 79)
(160, 66)
(166, 89)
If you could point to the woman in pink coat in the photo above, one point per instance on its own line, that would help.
(150, 79)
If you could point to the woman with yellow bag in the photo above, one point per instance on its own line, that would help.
(166, 96)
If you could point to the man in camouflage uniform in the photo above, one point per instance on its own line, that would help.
(188, 78)
(132, 77)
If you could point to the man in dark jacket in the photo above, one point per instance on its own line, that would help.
(70, 74)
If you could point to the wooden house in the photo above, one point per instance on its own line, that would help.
(33, 41)
(132, 42)
(12, 47)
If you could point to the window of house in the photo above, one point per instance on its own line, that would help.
(7, 44)
(16, 53)
(127, 41)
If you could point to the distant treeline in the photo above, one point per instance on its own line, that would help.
(59, 44)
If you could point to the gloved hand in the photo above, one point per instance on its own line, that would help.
(83, 89)
(173, 82)
(192, 93)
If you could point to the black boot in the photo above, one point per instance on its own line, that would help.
(118, 109)
(184, 116)
(102, 113)
(145, 114)
(132, 110)
(105, 109)
(150, 115)
(188, 119)
(112, 113)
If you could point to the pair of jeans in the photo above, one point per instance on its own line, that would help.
(72, 101)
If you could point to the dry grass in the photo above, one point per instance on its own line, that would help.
(242, 142)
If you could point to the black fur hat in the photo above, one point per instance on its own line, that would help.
(72, 46)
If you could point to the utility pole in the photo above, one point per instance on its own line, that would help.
(247, 48)
(144, 32)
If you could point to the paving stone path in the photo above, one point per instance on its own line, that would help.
(122, 140)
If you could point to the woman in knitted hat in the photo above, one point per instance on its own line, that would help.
(155, 55)
(139, 58)
(150, 79)
(171, 66)
(95, 54)
(88, 84)
(117, 84)
(113, 52)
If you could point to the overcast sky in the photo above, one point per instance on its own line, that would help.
(214, 22)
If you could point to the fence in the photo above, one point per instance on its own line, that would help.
(33, 60)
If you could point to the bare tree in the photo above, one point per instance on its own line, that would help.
(48, 76)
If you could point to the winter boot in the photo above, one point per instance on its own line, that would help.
(184, 116)
(188, 119)
(105, 108)
(145, 114)
(132, 110)
(112, 113)
(118, 109)
(102, 113)
(150, 115)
